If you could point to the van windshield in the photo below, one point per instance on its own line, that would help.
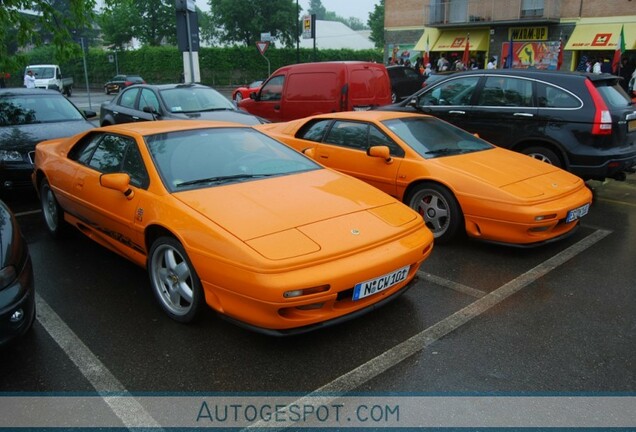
(43, 72)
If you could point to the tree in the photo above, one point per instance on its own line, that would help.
(376, 23)
(117, 22)
(242, 21)
(153, 22)
(316, 7)
(47, 18)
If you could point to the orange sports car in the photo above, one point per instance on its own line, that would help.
(455, 180)
(223, 214)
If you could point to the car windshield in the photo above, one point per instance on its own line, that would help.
(431, 137)
(196, 158)
(195, 99)
(613, 94)
(37, 108)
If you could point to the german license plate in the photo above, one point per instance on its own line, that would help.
(577, 213)
(373, 286)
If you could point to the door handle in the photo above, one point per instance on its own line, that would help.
(456, 112)
(522, 114)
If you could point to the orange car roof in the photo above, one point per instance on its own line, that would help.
(153, 127)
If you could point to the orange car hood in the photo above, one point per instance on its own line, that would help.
(282, 203)
(514, 173)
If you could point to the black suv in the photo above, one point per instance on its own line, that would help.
(404, 81)
(584, 123)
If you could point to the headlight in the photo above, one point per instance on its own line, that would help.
(7, 276)
(10, 156)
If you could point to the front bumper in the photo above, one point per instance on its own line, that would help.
(17, 305)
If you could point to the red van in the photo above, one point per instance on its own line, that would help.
(305, 89)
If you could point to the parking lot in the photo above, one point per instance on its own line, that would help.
(482, 319)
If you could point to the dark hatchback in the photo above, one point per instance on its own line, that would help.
(28, 116)
(147, 102)
(584, 123)
(17, 291)
(120, 82)
(404, 81)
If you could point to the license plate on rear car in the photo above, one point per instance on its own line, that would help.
(631, 125)
(372, 286)
(577, 213)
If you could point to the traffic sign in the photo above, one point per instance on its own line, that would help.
(262, 46)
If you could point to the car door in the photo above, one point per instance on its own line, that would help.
(450, 100)
(504, 110)
(268, 101)
(108, 213)
(125, 109)
(147, 100)
(344, 148)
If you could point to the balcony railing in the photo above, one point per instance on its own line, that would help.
(488, 11)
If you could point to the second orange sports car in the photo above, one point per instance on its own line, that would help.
(223, 215)
(456, 181)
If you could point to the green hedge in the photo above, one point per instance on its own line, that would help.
(218, 66)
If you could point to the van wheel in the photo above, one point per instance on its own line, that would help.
(544, 155)
(68, 92)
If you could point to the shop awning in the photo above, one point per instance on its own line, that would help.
(601, 37)
(429, 36)
(455, 40)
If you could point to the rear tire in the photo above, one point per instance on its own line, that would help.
(544, 155)
(52, 212)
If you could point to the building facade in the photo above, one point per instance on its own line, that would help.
(542, 34)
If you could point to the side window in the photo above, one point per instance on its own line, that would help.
(134, 166)
(314, 131)
(83, 150)
(554, 97)
(273, 89)
(148, 98)
(377, 138)
(349, 134)
(128, 98)
(109, 154)
(411, 74)
(453, 92)
(506, 91)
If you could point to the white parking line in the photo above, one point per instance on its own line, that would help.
(452, 285)
(380, 364)
(124, 406)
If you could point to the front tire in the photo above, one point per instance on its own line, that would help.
(174, 281)
(439, 208)
(51, 211)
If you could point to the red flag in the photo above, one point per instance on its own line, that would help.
(560, 56)
(620, 49)
(466, 58)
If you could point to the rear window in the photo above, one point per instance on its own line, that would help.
(612, 93)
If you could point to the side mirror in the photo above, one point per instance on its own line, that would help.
(381, 152)
(119, 182)
(253, 95)
(90, 114)
(149, 109)
(309, 152)
(412, 102)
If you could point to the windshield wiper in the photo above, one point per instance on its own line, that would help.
(445, 151)
(216, 109)
(222, 179)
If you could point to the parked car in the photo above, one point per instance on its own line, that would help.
(28, 116)
(17, 287)
(241, 93)
(456, 181)
(49, 76)
(584, 123)
(304, 89)
(404, 81)
(120, 82)
(222, 214)
(146, 102)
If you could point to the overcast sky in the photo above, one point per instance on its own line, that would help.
(345, 8)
